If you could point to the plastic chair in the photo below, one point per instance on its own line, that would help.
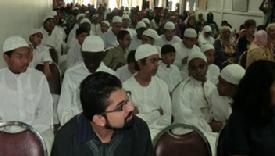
(192, 143)
(26, 142)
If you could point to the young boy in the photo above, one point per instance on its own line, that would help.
(213, 70)
(167, 71)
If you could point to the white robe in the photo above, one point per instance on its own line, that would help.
(72, 35)
(74, 55)
(191, 104)
(171, 75)
(213, 73)
(202, 40)
(123, 73)
(183, 52)
(134, 43)
(41, 54)
(150, 100)
(69, 103)
(110, 40)
(161, 41)
(221, 106)
(26, 97)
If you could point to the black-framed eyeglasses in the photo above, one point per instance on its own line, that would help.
(121, 105)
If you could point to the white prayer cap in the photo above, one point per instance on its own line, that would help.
(207, 28)
(48, 17)
(107, 23)
(196, 54)
(14, 42)
(206, 47)
(34, 31)
(75, 8)
(169, 25)
(233, 73)
(85, 20)
(125, 16)
(151, 33)
(87, 12)
(140, 24)
(93, 44)
(225, 28)
(190, 33)
(146, 20)
(78, 16)
(145, 50)
(117, 19)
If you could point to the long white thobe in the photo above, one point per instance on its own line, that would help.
(161, 41)
(110, 40)
(74, 55)
(123, 73)
(153, 103)
(69, 103)
(213, 73)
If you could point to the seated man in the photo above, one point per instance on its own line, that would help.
(221, 98)
(24, 92)
(190, 100)
(93, 53)
(150, 93)
(129, 69)
(106, 126)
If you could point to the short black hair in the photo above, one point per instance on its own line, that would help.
(95, 91)
(81, 30)
(121, 34)
(167, 49)
(249, 22)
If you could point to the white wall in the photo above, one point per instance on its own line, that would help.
(18, 17)
(222, 10)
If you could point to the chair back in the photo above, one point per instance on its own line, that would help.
(23, 143)
(192, 143)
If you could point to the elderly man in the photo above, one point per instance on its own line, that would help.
(184, 49)
(190, 102)
(150, 93)
(93, 53)
(24, 92)
(206, 36)
(109, 37)
(169, 35)
(107, 125)
(227, 86)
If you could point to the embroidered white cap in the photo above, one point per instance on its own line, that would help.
(169, 25)
(93, 44)
(233, 73)
(145, 50)
(190, 33)
(14, 42)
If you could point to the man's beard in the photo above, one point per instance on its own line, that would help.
(127, 124)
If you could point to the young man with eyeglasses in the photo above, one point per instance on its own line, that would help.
(107, 126)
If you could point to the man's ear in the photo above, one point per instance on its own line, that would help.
(99, 120)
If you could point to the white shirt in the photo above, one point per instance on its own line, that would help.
(171, 75)
(123, 73)
(110, 40)
(74, 55)
(202, 40)
(191, 104)
(69, 103)
(183, 52)
(26, 97)
(161, 41)
(134, 43)
(56, 39)
(150, 100)
(41, 54)
(213, 73)
(95, 29)
(72, 35)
